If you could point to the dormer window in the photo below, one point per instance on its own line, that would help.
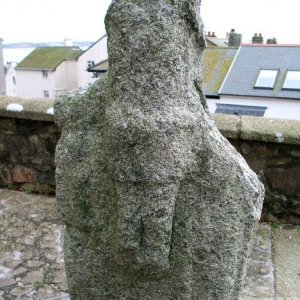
(292, 80)
(266, 79)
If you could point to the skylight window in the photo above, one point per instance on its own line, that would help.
(266, 79)
(292, 80)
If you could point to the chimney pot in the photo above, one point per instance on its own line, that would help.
(257, 39)
(272, 41)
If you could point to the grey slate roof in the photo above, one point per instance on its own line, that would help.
(250, 59)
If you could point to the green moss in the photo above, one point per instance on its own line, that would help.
(279, 84)
(48, 58)
(274, 225)
(216, 63)
(38, 285)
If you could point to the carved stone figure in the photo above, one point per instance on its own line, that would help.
(157, 204)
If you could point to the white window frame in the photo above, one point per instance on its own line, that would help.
(288, 85)
(263, 75)
(45, 73)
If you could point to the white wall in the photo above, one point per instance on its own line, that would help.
(96, 53)
(276, 108)
(10, 79)
(65, 77)
(31, 84)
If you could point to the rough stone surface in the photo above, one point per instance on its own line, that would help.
(31, 254)
(157, 203)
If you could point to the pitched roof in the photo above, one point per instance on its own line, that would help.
(91, 46)
(48, 58)
(216, 63)
(217, 42)
(251, 59)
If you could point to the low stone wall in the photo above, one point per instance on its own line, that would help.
(271, 147)
(28, 137)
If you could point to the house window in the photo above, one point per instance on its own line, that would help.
(238, 110)
(45, 74)
(292, 80)
(90, 63)
(46, 94)
(266, 79)
(14, 80)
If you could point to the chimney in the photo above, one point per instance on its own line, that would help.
(68, 42)
(272, 41)
(234, 39)
(257, 39)
(211, 34)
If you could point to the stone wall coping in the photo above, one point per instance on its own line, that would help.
(233, 127)
(32, 109)
(250, 128)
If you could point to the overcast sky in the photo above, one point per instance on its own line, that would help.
(54, 20)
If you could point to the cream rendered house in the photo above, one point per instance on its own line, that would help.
(93, 55)
(47, 72)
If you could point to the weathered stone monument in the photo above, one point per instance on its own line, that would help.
(157, 204)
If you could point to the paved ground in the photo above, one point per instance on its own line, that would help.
(31, 258)
(287, 262)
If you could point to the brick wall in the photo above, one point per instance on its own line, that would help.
(271, 147)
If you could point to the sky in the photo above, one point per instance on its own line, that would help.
(55, 20)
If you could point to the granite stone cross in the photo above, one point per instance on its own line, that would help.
(157, 203)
